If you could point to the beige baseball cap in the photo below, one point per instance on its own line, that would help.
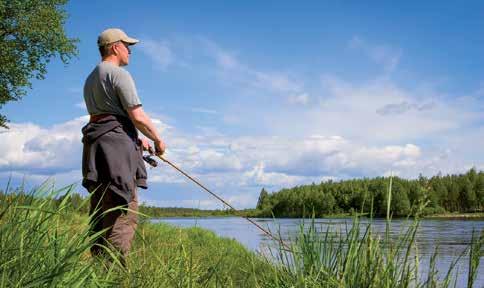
(112, 35)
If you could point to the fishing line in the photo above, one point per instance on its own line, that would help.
(285, 246)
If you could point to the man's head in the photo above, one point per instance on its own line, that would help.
(114, 45)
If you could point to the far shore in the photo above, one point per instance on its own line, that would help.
(448, 216)
(463, 216)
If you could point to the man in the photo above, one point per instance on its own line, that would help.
(112, 164)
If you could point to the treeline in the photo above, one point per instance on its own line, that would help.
(158, 212)
(439, 194)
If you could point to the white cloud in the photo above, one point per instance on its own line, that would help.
(230, 164)
(31, 146)
(159, 51)
(213, 160)
(257, 176)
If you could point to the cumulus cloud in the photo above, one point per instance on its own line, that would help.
(29, 146)
(249, 160)
(259, 177)
(227, 164)
(33, 150)
(213, 160)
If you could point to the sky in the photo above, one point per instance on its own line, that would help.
(269, 94)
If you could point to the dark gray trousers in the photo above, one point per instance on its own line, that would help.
(120, 224)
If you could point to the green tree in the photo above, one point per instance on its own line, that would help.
(31, 34)
(480, 190)
(400, 205)
(262, 199)
(468, 195)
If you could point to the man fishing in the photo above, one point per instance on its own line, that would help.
(112, 164)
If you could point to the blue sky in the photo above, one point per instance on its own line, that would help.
(272, 94)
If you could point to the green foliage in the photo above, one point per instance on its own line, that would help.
(439, 194)
(31, 33)
(262, 199)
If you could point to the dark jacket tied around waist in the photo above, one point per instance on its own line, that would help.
(112, 154)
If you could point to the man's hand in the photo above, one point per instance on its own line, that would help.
(160, 147)
(145, 143)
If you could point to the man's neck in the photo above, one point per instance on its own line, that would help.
(111, 59)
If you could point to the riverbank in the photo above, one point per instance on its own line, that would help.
(457, 216)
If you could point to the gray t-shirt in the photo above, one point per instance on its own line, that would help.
(109, 89)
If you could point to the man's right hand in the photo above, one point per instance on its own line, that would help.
(159, 147)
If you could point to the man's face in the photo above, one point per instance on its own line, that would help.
(122, 52)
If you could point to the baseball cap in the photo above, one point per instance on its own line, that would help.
(112, 35)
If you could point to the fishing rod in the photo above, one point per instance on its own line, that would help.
(153, 163)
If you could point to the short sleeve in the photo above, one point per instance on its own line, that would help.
(126, 90)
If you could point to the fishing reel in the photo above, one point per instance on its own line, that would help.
(148, 159)
(152, 162)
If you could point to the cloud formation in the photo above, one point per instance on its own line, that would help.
(27, 146)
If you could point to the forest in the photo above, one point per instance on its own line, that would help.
(439, 194)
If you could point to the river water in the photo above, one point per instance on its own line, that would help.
(449, 237)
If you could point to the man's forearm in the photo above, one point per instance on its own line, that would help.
(146, 126)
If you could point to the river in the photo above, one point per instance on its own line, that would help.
(449, 237)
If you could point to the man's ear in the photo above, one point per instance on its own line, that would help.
(115, 49)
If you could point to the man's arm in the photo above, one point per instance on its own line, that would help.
(144, 124)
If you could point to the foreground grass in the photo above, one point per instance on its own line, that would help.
(45, 243)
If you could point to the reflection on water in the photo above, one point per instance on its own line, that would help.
(450, 238)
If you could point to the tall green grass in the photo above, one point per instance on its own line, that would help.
(44, 242)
